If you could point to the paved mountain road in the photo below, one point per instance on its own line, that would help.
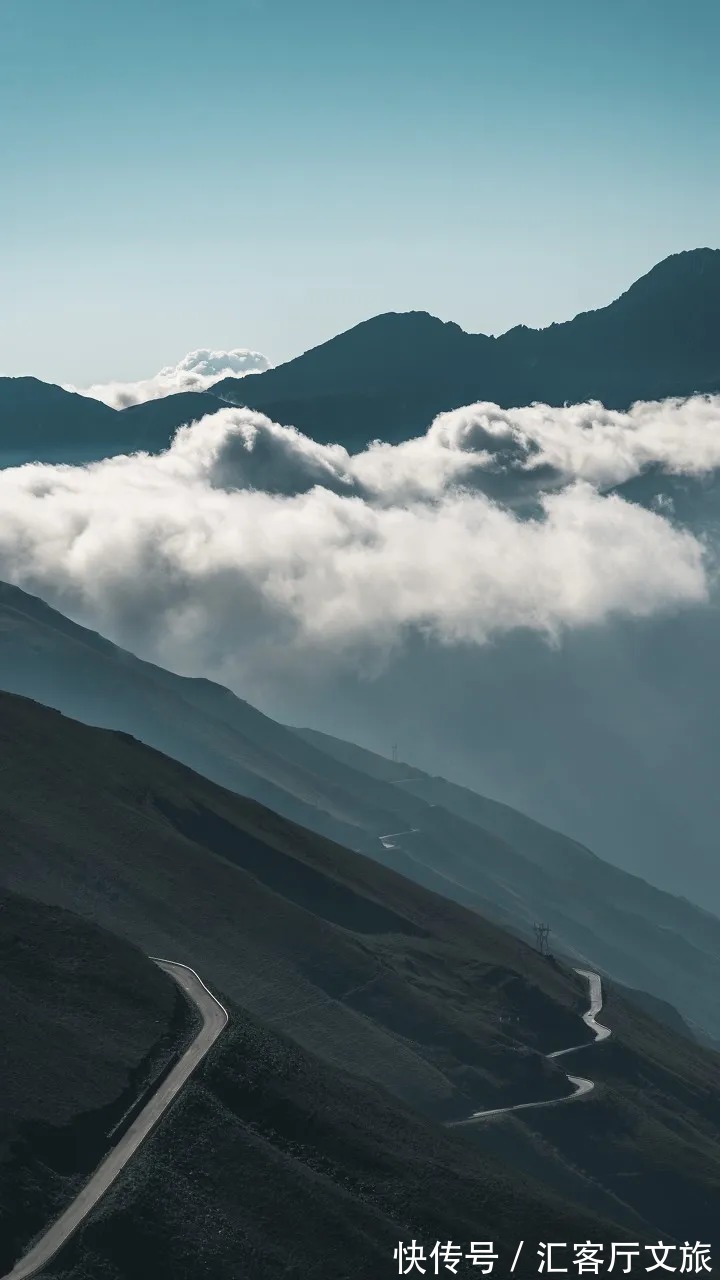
(215, 1019)
(393, 835)
(589, 1018)
(581, 1085)
(58, 1233)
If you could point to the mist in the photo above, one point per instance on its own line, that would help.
(554, 648)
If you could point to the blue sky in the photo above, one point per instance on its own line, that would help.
(265, 173)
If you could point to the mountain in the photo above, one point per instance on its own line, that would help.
(154, 422)
(482, 854)
(389, 376)
(277, 1168)
(595, 909)
(310, 937)
(396, 1002)
(610, 733)
(245, 1159)
(89, 1024)
(43, 421)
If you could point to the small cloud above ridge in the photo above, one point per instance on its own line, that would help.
(197, 371)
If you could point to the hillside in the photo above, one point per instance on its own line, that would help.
(390, 375)
(482, 854)
(367, 972)
(637, 1100)
(297, 929)
(88, 1024)
(274, 1166)
(41, 420)
(598, 914)
(156, 421)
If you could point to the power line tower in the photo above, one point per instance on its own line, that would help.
(395, 752)
(542, 932)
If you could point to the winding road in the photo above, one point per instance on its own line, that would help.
(580, 1085)
(386, 841)
(214, 1018)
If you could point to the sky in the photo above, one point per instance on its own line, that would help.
(262, 174)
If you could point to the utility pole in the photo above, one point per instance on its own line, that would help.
(542, 932)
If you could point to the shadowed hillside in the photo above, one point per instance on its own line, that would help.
(274, 1166)
(469, 848)
(372, 974)
(88, 1025)
(318, 941)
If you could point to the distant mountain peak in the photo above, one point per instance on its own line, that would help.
(694, 260)
(419, 320)
(388, 327)
(677, 271)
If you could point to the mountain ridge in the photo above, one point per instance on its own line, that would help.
(391, 374)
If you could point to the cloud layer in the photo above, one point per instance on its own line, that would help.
(587, 441)
(247, 544)
(507, 451)
(197, 371)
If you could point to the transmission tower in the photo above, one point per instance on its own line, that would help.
(395, 752)
(542, 932)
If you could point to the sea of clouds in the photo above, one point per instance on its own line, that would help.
(197, 371)
(246, 543)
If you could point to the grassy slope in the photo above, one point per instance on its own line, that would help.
(49, 658)
(642, 936)
(649, 1134)
(471, 849)
(88, 1022)
(364, 969)
(275, 1166)
(296, 928)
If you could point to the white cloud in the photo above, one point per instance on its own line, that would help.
(588, 441)
(247, 544)
(197, 371)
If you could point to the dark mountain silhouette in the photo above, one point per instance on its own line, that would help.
(41, 420)
(389, 376)
(30, 400)
(158, 420)
(469, 848)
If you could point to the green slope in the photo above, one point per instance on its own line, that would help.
(274, 1166)
(88, 1025)
(366, 971)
